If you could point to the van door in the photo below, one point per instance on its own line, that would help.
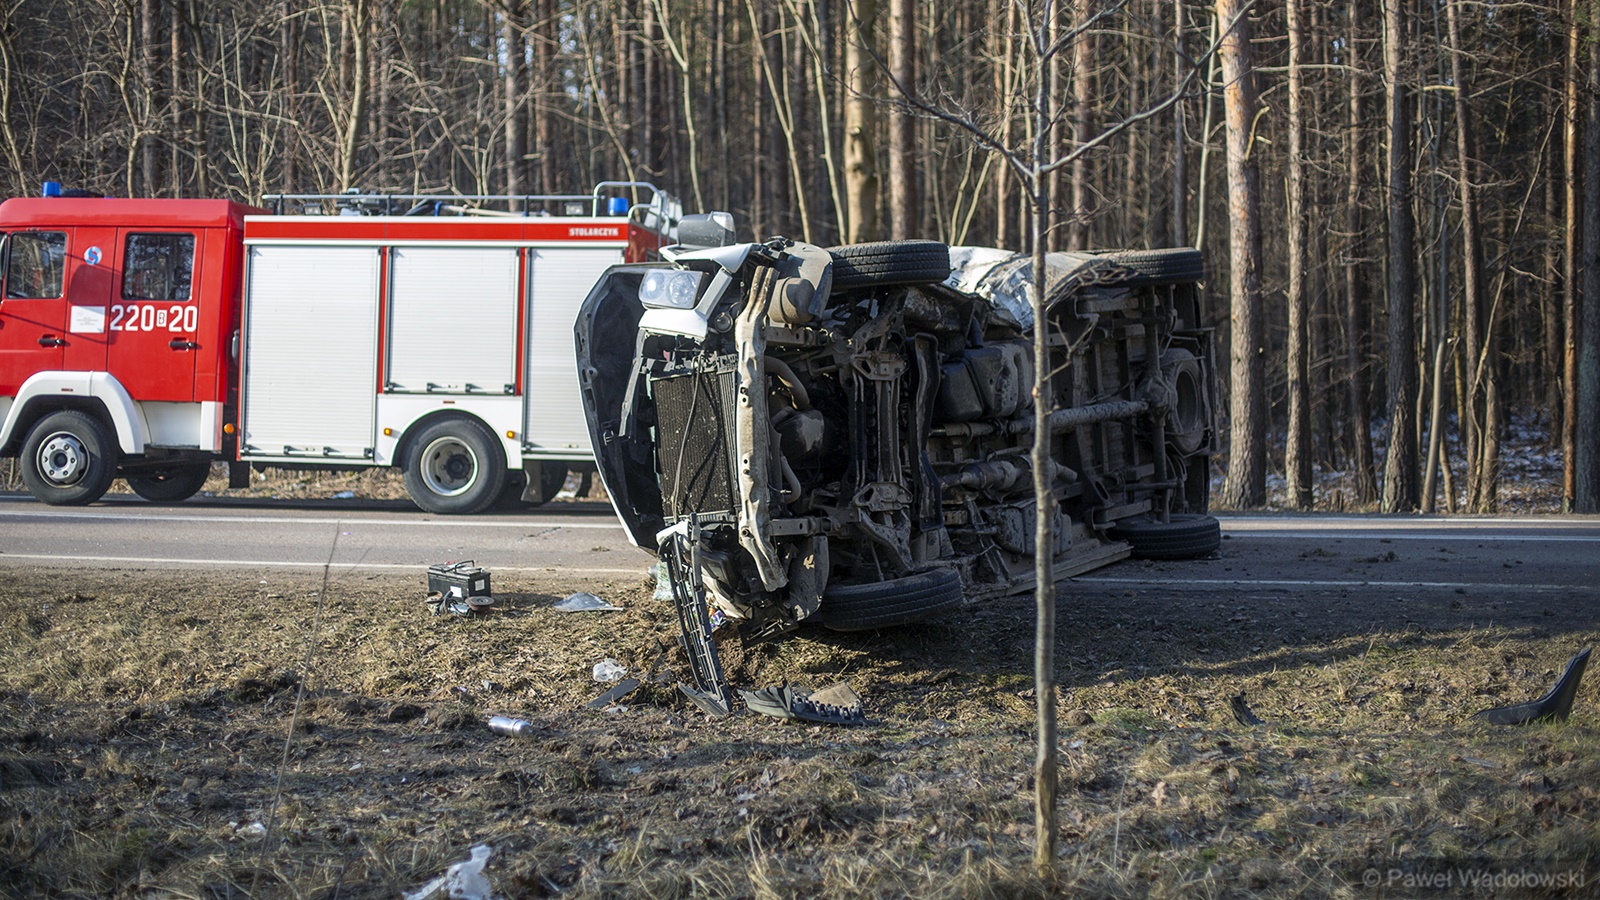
(33, 314)
(154, 316)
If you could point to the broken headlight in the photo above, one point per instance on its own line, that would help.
(671, 288)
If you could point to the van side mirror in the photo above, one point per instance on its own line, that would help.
(5, 262)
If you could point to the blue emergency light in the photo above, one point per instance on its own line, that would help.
(51, 189)
(617, 206)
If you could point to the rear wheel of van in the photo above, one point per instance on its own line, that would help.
(889, 263)
(69, 459)
(455, 467)
(172, 484)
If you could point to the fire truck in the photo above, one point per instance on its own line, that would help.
(146, 339)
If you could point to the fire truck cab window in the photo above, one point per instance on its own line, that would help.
(157, 267)
(37, 264)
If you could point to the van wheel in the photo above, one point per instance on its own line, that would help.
(1168, 265)
(455, 467)
(1185, 536)
(898, 601)
(172, 484)
(69, 459)
(889, 263)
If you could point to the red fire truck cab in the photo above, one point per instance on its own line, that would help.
(148, 338)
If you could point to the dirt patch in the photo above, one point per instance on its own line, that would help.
(214, 735)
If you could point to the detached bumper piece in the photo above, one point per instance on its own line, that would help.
(790, 702)
(458, 588)
(681, 552)
(1554, 706)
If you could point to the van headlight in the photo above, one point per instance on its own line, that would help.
(671, 288)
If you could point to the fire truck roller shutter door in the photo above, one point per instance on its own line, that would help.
(310, 352)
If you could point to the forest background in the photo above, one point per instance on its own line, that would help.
(1417, 166)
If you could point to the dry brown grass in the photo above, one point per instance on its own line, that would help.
(143, 717)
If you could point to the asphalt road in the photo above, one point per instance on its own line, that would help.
(576, 538)
(582, 539)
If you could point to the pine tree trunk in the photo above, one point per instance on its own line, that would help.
(860, 126)
(1297, 452)
(1586, 498)
(1246, 484)
(1401, 488)
(1571, 269)
(902, 127)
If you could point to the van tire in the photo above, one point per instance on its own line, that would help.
(1185, 536)
(173, 484)
(69, 459)
(454, 467)
(889, 263)
(1168, 265)
(898, 601)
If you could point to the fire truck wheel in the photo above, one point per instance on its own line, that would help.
(69, 459)
(171, 485)
(455, 468)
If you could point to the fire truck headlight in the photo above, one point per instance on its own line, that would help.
(671, 288)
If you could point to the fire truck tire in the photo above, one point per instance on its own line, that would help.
(171, 485)
(888, 263)
(455, 467)
(69, 459)
(552, 478)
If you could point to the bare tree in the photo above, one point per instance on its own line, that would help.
(1297, 452)
(1572, 269)
(860, 125)
(1586, 496)
(1246, 484)
(903, 212)
(1401, 491)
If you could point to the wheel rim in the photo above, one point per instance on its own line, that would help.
(449, 467)
(63, 459)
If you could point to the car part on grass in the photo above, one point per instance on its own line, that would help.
(621, 689)
(1554, 706)
(583, 601)
(463, 581)
(683, 563)
(787, 701)
(1242, 713)
(847, 432)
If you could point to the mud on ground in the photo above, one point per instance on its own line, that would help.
(247, 734)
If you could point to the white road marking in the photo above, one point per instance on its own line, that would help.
(288, 564)
(289, 520)
(1235, 583)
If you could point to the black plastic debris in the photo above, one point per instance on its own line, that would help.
(621, 689)
(787, 701)
(1554, 706)
(1242, 713)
